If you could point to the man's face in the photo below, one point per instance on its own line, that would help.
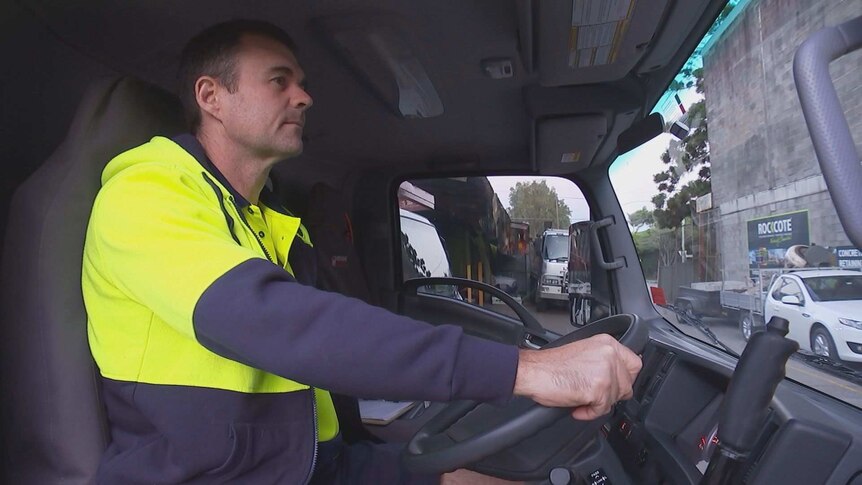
(266, 114)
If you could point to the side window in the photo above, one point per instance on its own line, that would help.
(792, 289)
(787, 287)
(776, 293)
(512, 233)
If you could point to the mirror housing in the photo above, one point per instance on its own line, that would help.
(640, 132)
(791, 300)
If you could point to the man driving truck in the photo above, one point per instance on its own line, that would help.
(217, 354)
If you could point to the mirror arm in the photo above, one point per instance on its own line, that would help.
(594, 235)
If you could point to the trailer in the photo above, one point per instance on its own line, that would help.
(747, 306)
(743, 301)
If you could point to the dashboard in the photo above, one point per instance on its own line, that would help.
(668, 431)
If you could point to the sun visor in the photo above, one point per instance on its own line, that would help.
(567, 144)
(590, 41)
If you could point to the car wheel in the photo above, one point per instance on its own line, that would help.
(686, 308)
(822, 344)
(746, 325)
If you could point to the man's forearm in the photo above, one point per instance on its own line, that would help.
(257, 315)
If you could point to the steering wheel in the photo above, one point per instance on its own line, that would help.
(527, 318)
(466, 432)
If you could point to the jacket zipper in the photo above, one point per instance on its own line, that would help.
(262, 247)
(316, 437)
(313, 399)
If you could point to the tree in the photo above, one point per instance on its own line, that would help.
(536, 203)
(673, 204)
(656, 247)
(642, 217)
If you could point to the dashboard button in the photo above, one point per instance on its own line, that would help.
(560, 476)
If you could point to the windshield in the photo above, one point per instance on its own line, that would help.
(556, 248)
(731, 196)
(834, 288)
(501, 230)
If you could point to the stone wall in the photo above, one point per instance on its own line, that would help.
(762, 158)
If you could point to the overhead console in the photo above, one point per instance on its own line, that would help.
(573, 42)
(588, 41)
(574, 46)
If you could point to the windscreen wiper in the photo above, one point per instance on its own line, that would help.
(697, 322)
(830, 366)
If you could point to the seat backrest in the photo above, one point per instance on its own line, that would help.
(327, 218)
(338, 266)
(52, 417)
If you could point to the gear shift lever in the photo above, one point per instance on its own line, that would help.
(746, 402)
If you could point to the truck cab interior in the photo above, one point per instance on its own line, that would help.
(407, 91)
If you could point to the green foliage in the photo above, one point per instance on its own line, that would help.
(674, 203)
(536, 202)
(656, 247)
(647, 244)
(642, 217)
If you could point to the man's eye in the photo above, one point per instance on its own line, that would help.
(281, 81)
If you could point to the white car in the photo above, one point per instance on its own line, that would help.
(824, 308)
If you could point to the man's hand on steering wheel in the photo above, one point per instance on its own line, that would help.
(589, 375)
(584, 370)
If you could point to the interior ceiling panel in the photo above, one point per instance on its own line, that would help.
(483, 117)
(489, 122)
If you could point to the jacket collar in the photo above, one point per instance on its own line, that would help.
(191, 144)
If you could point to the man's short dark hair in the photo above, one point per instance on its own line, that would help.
(213, 53)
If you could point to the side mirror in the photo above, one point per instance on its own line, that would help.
(579, 252)
(791, 300)
(679, 129)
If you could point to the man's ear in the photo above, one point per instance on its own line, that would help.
(207, 90)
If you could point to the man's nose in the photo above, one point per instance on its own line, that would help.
(300, 99)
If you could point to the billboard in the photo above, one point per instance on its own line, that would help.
(848, 257)
(769, 237)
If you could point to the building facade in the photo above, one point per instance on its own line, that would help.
(763, 162)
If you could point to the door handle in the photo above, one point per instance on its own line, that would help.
(806, 315)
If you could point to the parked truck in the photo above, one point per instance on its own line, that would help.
(549, 267)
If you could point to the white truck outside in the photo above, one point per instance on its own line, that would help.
(549, 267)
